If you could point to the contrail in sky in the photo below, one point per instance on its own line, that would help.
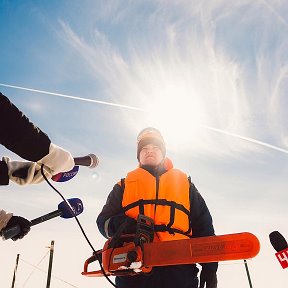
(275, 13)
(73, 97)
(142, 110)
(247, 139)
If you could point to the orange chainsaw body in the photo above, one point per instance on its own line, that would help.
(127, 258)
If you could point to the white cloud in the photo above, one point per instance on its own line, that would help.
(185, 77)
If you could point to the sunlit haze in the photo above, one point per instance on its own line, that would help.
(210, 75)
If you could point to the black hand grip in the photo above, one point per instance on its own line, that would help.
(11, 232)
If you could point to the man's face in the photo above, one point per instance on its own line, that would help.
(150, 155)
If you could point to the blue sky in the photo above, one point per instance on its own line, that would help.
(211, 75)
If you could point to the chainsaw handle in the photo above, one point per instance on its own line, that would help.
(93, 273)
(89, 261)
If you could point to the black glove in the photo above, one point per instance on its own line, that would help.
(116, 221)
(23, 223)
(209, 278)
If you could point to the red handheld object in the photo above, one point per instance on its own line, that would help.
(129, 259)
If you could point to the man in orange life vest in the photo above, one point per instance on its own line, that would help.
(178, 211)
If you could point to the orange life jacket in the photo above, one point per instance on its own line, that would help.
(165, 199)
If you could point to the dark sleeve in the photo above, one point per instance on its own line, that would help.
(112, 216)
(201, 221)
(19, 135)
(112, 208)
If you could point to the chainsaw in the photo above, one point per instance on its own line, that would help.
(130, 254)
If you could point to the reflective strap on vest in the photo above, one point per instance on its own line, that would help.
(173, 206)
(164, 228)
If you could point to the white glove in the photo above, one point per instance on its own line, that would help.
(58, 160)
(4, 218)
(31, 169)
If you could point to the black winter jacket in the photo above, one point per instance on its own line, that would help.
(20, 136)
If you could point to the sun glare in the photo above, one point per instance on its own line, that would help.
(184, 100)
(178, 113)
